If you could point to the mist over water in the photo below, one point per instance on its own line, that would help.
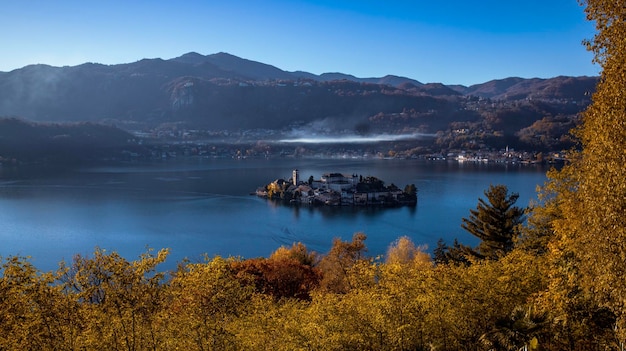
(355, 139)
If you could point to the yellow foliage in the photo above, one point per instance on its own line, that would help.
(107, 302)
(588, 251)
(297, 251)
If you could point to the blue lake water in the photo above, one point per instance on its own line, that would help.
(198, 206)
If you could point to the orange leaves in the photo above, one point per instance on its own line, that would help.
(280, 277)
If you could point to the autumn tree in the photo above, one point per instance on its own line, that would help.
(298, 251)
(404, 251)
(287, 273)
(34, 313)
(282, 277)
(340, 259)
(276, 325)
(120, 299)
(460, 304)
(206, 299)
(495, 222)
(590, 238)
(538, 231)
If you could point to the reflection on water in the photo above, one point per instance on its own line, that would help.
(204, 206)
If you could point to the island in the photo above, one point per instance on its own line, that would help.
(336, 189)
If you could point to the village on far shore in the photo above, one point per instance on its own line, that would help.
(336, 189)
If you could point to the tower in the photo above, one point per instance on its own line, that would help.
(295, 177)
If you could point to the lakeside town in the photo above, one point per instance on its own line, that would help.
(167, 149)
(336, 189)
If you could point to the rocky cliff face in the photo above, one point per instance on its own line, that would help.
(182, 95)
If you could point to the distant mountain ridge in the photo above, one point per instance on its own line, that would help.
(223, 91)
(227, 66)
(237, 66)
(516, 88)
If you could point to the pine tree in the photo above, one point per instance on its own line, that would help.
(495, 222)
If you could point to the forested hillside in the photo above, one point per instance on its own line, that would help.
(26, 142)
(222, 92)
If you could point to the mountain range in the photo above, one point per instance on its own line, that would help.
(225, 92)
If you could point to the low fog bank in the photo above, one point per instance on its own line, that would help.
(354, 139)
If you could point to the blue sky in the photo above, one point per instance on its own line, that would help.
(453, 42)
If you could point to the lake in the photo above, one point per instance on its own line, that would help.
(198, 206)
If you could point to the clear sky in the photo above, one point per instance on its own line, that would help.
(453, 42)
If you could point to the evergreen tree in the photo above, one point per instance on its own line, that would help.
(495, 222)
(455, 254)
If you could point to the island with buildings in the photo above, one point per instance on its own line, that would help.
(336, 189)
